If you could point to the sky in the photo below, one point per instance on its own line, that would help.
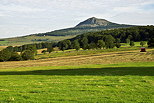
(24, 17)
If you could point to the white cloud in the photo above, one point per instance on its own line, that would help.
(47, 15)
(19, 8)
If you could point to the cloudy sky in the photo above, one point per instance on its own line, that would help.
(22, 17)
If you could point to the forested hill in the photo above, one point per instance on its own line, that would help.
(138, 33)
(90, 25)
(110, 38)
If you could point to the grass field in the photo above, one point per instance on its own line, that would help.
(32, 39)
(136, 44)
(123, 75)
(113, 83)
(73, 52)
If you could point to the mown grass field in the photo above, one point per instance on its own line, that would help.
(73, 52)
(103, 77)
(110, 83)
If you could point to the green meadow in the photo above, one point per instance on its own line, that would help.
(95, 83)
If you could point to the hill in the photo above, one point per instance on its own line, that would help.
(90, 25)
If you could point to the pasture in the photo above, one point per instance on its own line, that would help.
(122, 83)
(115, 77)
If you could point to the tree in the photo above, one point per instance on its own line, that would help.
(118, 45)
(92, 45)
(117, 40)
(5, 55)
(142, 43)
(100, 44)
(63, 45)
(27, 55)
(10, 48)
(84, 43)
(151, 42)
(31, 47)
(68, 42)
(127, 40)
(15, 57)
(75, 45)
(109, 41)
(132, 43)
(50, 49)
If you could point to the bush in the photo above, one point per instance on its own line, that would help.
(27, 55)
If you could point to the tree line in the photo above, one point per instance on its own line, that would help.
(24, 52)
(110, 38)
(92, 40)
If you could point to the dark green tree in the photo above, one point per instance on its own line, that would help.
(128, 40)
(5, 55)
(50, 48)
(142, 43)
(68, 42)
(63, 45)
(151, 42)
(132, 43)
(109, 41)
(118, 45)
(92, 46)
(75, 45)
(84, 43)
(27, 55)
(10, 48)
(15, 57)
(100, 44)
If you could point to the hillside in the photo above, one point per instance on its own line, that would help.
(90, 25)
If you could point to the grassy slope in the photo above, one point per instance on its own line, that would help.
(122, 83)
(29, 39)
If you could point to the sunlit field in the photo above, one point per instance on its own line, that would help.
(126, 82)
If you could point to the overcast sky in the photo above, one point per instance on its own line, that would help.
(22, 17)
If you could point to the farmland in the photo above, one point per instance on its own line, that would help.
(126, 82)
(115, 76)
